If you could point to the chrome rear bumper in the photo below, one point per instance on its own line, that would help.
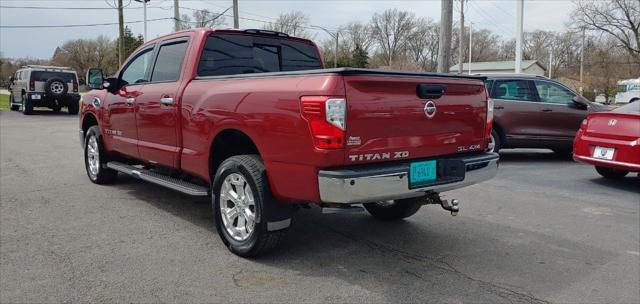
(386, 182)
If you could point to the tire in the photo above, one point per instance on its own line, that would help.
(56, 109)
(73, 108)
(95, 158)
(394, 210)
(611, 173)
(247, 170)
(56, 87)
(496, 140)
(633, 100)
(27, 105)
(14, 107)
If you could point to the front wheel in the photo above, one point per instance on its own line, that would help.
(95, 158)
(241, 198)
(611, 173)
(394, 210)
(14, 107)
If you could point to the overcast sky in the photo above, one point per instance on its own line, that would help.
(498, 16)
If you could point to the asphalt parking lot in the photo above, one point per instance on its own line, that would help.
(545, 229)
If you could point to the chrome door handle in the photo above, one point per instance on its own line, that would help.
(131, 101)
(166, 100)
(547, 110)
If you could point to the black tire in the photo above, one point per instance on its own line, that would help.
(73, 108)
(103, 175)
(27, 105)
(56, 109)
(611, 173)
(397, 210)
(14, 107)
(260, 240)
(56, 87)
(497, 141)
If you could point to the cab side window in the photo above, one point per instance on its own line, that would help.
(517, 90)
(136, 70)
(169, 62)
(553, 93)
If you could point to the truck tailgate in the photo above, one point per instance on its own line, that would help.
(387, 120)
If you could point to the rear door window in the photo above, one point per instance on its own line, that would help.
(516, 89)
(169, 62)
(243, 54)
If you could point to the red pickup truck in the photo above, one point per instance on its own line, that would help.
(251, 119)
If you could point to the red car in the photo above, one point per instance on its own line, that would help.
(610, 141)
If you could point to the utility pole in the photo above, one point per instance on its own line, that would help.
(144, 3)
(121, 30)
(470, 44)
(236, 17)
(550, 61)
(176, 16)
(582, 62)
(444, 47)
(336, 36)
(461, 45)
(519, 24)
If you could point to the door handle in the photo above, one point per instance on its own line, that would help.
(498, 107)
(166, 100)
(547, 110)
(131, 101)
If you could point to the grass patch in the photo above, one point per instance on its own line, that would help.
(4, 102)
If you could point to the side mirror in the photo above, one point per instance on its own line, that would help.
(95, 79)
(12, 79)
(580, 102)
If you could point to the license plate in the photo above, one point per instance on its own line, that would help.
(603, 153)
(35, 96)
(422, 172)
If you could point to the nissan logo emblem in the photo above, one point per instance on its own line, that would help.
(430, 109)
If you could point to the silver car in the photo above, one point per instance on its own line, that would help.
(44, 86)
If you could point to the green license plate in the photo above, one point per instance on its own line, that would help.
(422, 172)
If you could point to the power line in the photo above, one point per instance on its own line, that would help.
(74, 8)
(77, 25)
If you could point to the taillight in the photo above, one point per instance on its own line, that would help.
(326, 117)
(489, 125)
(32, 85)
(75, 86)
(584, 123)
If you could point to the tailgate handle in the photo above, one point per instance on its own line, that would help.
(430, 91)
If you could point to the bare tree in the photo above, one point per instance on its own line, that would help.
(185, 22)
(292, 23)
(422, 45)
(357, 35)
(391, 30)
(205, 18)
(618, 18)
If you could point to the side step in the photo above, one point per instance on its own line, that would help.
(159, 179)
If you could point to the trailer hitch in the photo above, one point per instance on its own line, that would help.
(434, 198)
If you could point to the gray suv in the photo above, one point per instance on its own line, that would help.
(44, 86)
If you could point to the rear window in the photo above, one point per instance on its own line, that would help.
(46, 75)
(243, 54)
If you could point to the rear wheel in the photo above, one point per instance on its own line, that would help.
(95, 158)
(494, 142)
(56, 109)
(241, 196)
(27, 105)
(394, 210)
(73, 108)
(611, 173)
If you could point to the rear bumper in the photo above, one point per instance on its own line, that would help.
(378, 183)
(607, 163)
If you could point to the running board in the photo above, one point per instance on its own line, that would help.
(160, 179)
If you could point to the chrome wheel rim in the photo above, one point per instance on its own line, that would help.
(492, 144)
(237, 207)
(57, 87)
(93, 156)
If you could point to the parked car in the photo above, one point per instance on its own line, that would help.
(251, 118)
(610, 141)
(535, 112)
(44, 86)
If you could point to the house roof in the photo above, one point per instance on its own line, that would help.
(495, 66)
